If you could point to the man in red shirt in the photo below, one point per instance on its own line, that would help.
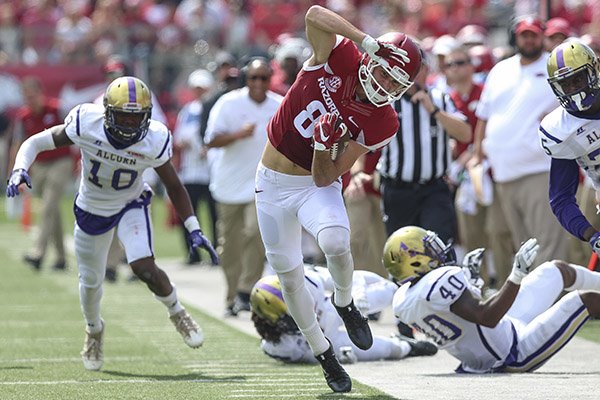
(338, 92)
(51, 172)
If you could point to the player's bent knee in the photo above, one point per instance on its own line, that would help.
(89, 278)
(591, 301)
(334, 240)
(145, 269)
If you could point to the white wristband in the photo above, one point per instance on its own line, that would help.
(191, 223)
(32, 147)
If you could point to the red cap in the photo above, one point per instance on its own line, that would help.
(557, 25)
(114, 65)
(530, 24)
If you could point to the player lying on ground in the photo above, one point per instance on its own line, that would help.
(118, 141)
(516, 330)
(281, 338)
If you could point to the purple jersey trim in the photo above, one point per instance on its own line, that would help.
(97, 225)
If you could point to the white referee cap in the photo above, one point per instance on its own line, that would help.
(201, 78)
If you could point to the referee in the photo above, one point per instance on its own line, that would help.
(413, 165)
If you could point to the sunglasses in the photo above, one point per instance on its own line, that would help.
(263, 78)
(457, 63)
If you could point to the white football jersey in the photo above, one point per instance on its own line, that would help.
(111, 177)
(426, 307)
(566, 136)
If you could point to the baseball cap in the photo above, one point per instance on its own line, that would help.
(530, 24)
(444, 45)
(201, 78)
(114, 64)
(557, 25)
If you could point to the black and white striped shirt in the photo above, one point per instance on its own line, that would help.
(420, 151)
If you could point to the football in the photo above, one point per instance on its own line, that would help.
(339, 147)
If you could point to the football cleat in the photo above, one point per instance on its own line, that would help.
(93, 353)
(418, 347)
(357, 326)
(188, 329)
(337, 378)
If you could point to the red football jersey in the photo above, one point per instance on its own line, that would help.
(467, 106)
(329, 88)
(34, 123)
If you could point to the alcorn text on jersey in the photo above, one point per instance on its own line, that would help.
(111, 177)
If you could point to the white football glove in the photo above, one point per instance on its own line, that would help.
(383, 52)
(524, 260)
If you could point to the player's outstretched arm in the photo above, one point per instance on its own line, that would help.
(490, 312)
(181, 201)
(47, 140)
(321, 27)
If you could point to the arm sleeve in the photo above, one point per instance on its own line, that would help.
(32, 147)
(564, 176)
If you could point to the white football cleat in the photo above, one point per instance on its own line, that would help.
(188, 328)
(92, 353)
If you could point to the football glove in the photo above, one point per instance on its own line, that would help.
(523, 261)
(328, 130)
(197, 239)
(472, 261)
(17, 177)
(382, 52)
(595, 243)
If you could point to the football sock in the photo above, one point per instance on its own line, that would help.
(399, 350)
(301, 307)
(335, 243)
(90, 305)
(171, 302)
(585, 279)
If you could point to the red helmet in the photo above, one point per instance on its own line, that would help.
(403, 66)
(482, 58)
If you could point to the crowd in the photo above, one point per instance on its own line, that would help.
(444, 157)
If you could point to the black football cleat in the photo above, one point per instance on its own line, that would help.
(356, 325)
(337, 378)
(419, 347)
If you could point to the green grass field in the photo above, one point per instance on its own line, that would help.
(41, 334)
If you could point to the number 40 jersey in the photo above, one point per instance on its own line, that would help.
(111, 177)
(425, 306)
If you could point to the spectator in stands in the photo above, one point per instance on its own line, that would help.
(71, 36)
(51, 173)
(237, 126)
(520, 167)
(557, 31)
(290, 54)
(194, 170)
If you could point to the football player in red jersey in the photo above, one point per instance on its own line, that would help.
(339, 91)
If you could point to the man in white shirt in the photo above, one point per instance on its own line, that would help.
(194, 168)
(514, 100)
(237, 126)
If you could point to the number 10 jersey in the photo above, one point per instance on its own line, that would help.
(111, 177)
(329, 88)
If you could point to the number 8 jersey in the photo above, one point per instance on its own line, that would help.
(425, 306)
(111, 177)
(329, 87)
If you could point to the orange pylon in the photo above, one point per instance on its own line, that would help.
(26, 214)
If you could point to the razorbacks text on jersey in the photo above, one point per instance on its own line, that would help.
(329, 88)
(110, 177)
(425, 306)
(565, 136)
